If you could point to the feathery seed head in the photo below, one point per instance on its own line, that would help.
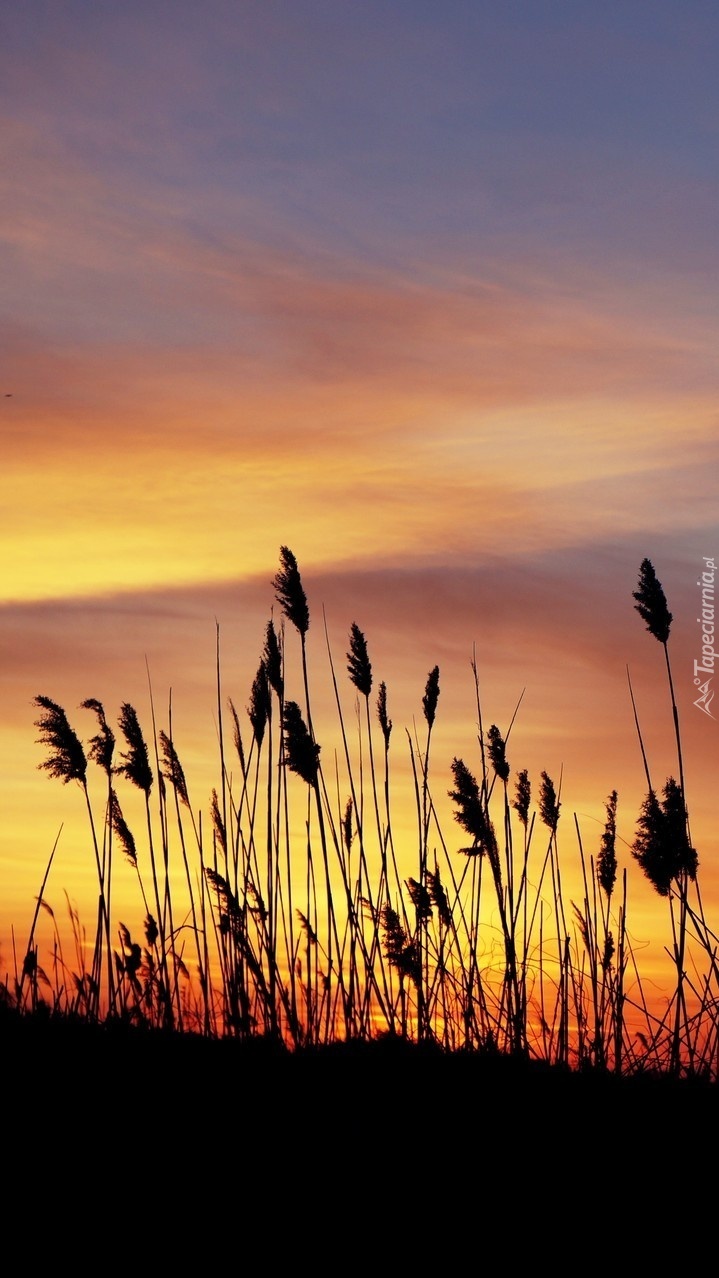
(133, 959)
(358, 662)
(173, 771)
(218, 824)
(549, 804)
(497, 753)
(662, 845)
(583, 925)
(259, 909)
(467, 797)
(301, 752)
(121, 830)
(431, 696)
(67, 758)
(400, 952)
(259, 707)
(287, 584)
(136, 765)
(307, 928)
(347, 833)
(237, 734)
(231, 920)
(607, 859)
(438, 896)
(649, 847)
(272, 657)
(385, 723)
(651, 602)
(523, 796)
(395, 937)
(102, 746)
(472, 815)
(421, 900)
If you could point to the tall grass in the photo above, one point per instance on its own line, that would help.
(284, 910)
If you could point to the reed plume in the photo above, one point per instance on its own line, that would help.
(431, 696)
(661, 845)
(400, 952)
(237, 736)
(259, 707)
(523, 796)
(421, 900)
(651, 602)
(66, 759)
(301, 752)
(121, 830)
(307, 928)
(173, 771)
(549, 804)
(136, 762)
(347, 829)
(384, 722)
(607, 859)
(471, 813)
(497, 753)
(438, 896)
(287, 584)
(218, 824)
(359, 665)
(272, 658)
(102, 745)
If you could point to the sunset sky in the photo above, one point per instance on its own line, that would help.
(426, 292)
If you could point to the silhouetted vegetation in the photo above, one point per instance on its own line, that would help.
(311, 930)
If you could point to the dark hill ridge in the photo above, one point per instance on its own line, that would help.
(216, 1144)
(113, 1057)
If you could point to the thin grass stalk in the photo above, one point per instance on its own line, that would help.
(253, 877)
(241, 878)
(588, 926)
(331, 921)
(136, 768)
(291, 595)
(457, 907)
(417, 931)
(372, 957)
(271, 881)
(176, 777)
(288, 907)
(429, 705)
(505, 894)
(476, 1030)
(19, 984)
(284, 892)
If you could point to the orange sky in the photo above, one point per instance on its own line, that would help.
(332, 287)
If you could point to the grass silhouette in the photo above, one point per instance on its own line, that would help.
(312, 936)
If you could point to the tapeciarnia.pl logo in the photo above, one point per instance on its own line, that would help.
(706, 621)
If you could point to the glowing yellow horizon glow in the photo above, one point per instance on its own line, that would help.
(168, 516)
